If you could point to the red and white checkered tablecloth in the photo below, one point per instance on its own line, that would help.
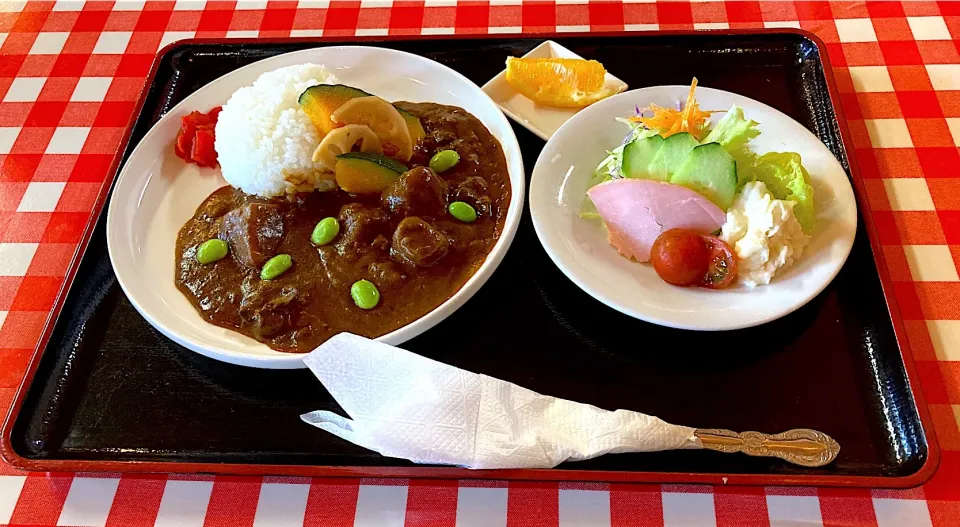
(70, 73)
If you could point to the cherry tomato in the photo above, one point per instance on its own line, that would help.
(722, 268)
(680, 257)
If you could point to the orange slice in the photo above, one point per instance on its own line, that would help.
(566, 83)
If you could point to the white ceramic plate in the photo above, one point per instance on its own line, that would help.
(156, 192)
(541, 120)
(579, 247)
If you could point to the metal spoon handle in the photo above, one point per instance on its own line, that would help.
(800, 446)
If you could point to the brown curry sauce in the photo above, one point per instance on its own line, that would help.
(416, 265)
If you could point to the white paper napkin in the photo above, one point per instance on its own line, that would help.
(407, 406)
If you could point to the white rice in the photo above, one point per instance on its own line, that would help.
(265, 142)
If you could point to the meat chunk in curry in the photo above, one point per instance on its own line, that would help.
(417, 192)
(418, 242)
(361, 226)
(253, 232)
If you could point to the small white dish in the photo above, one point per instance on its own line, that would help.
(541, 120)
(580, 249)
(157, 192)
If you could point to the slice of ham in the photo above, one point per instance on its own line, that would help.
(636, 211)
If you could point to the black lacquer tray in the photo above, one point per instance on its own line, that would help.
(108, 392)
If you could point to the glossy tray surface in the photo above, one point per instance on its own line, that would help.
(109, 388)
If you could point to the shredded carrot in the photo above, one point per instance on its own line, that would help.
(668, 121)
(689, 107)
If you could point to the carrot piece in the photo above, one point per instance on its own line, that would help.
(668, 121)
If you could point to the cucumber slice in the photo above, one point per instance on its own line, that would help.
(671, 155)
(710, 171)
(637, 156)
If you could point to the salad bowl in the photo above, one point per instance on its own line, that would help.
(579, 247)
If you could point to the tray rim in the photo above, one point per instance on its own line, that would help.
(924, 473)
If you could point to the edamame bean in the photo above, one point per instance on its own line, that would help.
(444, 160)
(463, 211)
(365, 294)
(212, 250)
(325, 231)
(276, 266)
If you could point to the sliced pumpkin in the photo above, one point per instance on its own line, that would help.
(319, 102)
(417, 133)
(365, 173)
(383, 118)
(341, 140)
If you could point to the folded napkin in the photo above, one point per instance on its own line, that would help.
(406, 406)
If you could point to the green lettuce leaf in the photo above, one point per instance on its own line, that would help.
(785, 178)
(781, 172)
(609, 167)
(734, 131)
